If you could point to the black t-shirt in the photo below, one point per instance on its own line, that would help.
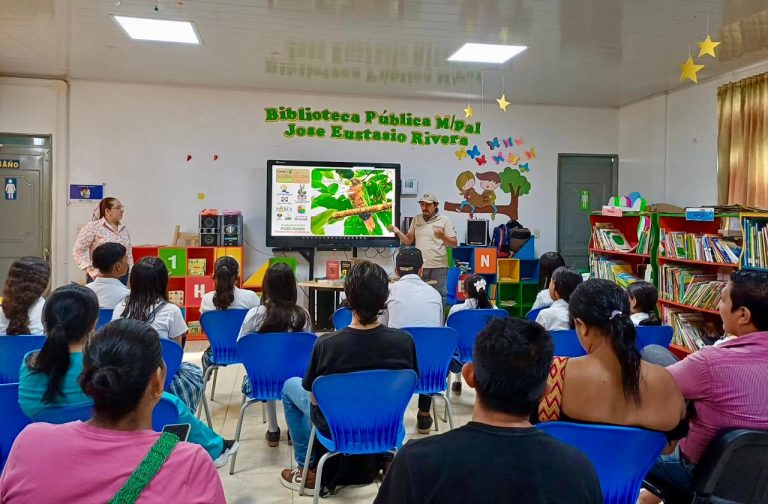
(483, 463)
(358, 350)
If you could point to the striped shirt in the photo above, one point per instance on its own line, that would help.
(728, 385)
(96, 233)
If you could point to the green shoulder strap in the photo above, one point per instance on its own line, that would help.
(148, 468)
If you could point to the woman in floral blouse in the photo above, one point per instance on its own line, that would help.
(106, 227)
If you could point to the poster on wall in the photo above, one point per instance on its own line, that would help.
(86, 192)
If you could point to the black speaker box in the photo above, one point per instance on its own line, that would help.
(209, 230)
(231, 230)
(477, 232)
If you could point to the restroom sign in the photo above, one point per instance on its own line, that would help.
(11, 188)
(9, 163)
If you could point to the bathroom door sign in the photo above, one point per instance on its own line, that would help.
(11, 187)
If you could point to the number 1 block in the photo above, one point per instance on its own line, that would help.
(175, 259)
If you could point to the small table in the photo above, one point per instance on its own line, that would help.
(313, 285)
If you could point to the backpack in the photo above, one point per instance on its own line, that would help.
(509, 237)
(500, 240)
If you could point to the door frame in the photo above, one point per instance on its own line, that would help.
(614, 189)
(46, 191)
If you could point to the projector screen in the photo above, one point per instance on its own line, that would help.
(316, 203)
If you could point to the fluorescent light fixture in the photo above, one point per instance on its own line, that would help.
(160, 30)
(486, 53)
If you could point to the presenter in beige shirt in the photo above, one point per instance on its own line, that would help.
(431, 233)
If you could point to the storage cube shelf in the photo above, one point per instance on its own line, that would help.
(194, 286)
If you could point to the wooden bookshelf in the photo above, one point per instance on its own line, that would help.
(628, 224)
(687, 307)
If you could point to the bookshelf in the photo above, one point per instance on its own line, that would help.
(754, 227)
(621, 247)
(475, 261)
(518, 280)
(188, 278)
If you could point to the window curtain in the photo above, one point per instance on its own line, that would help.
(742, 142)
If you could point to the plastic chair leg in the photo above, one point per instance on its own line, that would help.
(243, 407)
(448, 410)
(434, 414)
(213, 386)
(319, 477)
(307, 460)
(205, 400)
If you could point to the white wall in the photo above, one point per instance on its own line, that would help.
(135, 138)
(39, 107)
(668, 143)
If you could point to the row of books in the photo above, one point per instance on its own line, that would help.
(606, 237)
(616, 271)
(700, 247)
(691, 286)
(756, 243)
(644, 236)
(691, 330)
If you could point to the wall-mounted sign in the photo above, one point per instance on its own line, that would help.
(584, 200)
(700, 214)
(86, 192)
(388, 126)
(11, 188)
(9, 163)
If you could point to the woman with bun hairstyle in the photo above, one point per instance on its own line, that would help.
(105, 227)
(123, 373)
(22, 308)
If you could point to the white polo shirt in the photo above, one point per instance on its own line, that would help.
(110, 291)
(244, 300)
(413, 303)
(556, 317)
(543, 300)
(167, 321)
(639, 317)
(35, 314)
(432, 248)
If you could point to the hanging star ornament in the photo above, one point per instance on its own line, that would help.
(503, 103)
(689, 69)
(468, 112)
(708, 47)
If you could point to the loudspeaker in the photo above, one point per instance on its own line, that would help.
(477, 232)
(209, 230)
(231, 230)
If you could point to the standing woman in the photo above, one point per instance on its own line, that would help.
(105, 227)
(22, 307)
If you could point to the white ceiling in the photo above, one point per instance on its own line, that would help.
(581, 52)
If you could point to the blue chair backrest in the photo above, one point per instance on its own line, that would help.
(165, 413)
(451, 285)
(621, 456)
(567, 344)
(653, 335)
(365, 409)
(434, 348)
(105, 317)
(222, 328)
(468, 323)
(342, 317)
(531, 315)
(12, 352)
(12, 419)
(271, 358)
(64, 414)
(172, 355)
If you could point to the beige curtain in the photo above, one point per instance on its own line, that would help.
(742, 142)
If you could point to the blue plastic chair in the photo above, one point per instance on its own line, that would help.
(12, 419)
(451, 285)
(65, 414)
(621, 456)
(567, 343)
(165, 413)
(342, 317)
(172, 355)
(653, 335)
(531, 315)
(434, 349)
(270, 359)
(364, 411)
(12, 352)
(468, 323)
(222, 328)
(105, 317)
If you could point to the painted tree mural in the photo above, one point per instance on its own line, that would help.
(511, 181)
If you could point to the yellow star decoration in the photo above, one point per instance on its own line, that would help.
(201, 196)
(503, 103)
(468, 112)
(688, 70)
(708, 47)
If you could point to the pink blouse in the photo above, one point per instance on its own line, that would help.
(96, 233)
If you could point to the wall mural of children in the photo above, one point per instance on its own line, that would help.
(465, 182)
(510, 181)
(489, 181)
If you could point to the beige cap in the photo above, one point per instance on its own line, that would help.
(428, 198)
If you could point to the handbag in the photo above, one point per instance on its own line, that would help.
(139, 479)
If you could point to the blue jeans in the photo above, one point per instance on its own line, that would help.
(672, 471)
(297, 415)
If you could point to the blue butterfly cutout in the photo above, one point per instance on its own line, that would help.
(474, 152)
(523, 167)
(508, 142)
(500, 158)
(493, 144)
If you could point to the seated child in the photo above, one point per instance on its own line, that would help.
(548, 262)
(476, 295)
(642, 303)
(111, 259)
(564, 281)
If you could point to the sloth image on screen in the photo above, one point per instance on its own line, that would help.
(332, 202)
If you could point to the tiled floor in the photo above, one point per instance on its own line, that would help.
(256, 478)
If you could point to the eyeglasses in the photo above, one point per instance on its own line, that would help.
(120, 207)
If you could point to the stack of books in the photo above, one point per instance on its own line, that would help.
(691, 286)
(644, 236)
(692, 330)
(616, 271)
(606, 237)
(756, 243)
(698, 247)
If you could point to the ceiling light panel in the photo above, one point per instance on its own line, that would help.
(159, 30)
(486, 53)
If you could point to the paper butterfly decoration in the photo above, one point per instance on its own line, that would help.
(500, 158)
(473, 152)
(480, 160)
(518, 141)
(508, 142)
(461, 154)
(493, 144)
(523, 167)
(530, 154)
(513, 159)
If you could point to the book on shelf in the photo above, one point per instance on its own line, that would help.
(176, 297)
(617, 271)
(756, 243)
(606, 237)
(699, 247)
(691, 286)
(196, 267)
(691, 330)
(644, 236)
